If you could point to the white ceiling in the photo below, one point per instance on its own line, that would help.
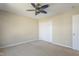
(53, 9)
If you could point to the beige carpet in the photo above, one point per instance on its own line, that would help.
(39, 48)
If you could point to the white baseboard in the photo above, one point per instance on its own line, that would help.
(15, 44)
(22, 42)
(62, 45)
(59, 44)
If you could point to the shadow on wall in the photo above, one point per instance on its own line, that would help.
(1, 7)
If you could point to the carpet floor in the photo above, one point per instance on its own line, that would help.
(39, 48)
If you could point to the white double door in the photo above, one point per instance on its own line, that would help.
(75, 32)
(45, 31)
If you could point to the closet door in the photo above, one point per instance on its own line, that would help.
(45, 31)
(75, 32)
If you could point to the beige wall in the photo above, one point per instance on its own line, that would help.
(62, 27)
(17, 28)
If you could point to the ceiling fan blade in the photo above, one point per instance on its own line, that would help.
(43, 11)
(33, 4)
(44, 6)
(30, 10)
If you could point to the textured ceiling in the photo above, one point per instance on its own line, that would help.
(53, 9)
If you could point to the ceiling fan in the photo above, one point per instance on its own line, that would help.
(38, 8)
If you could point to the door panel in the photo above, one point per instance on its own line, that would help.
(75, 32)
(45, 31)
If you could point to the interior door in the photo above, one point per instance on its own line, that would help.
(45, 31)
(75, 32)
